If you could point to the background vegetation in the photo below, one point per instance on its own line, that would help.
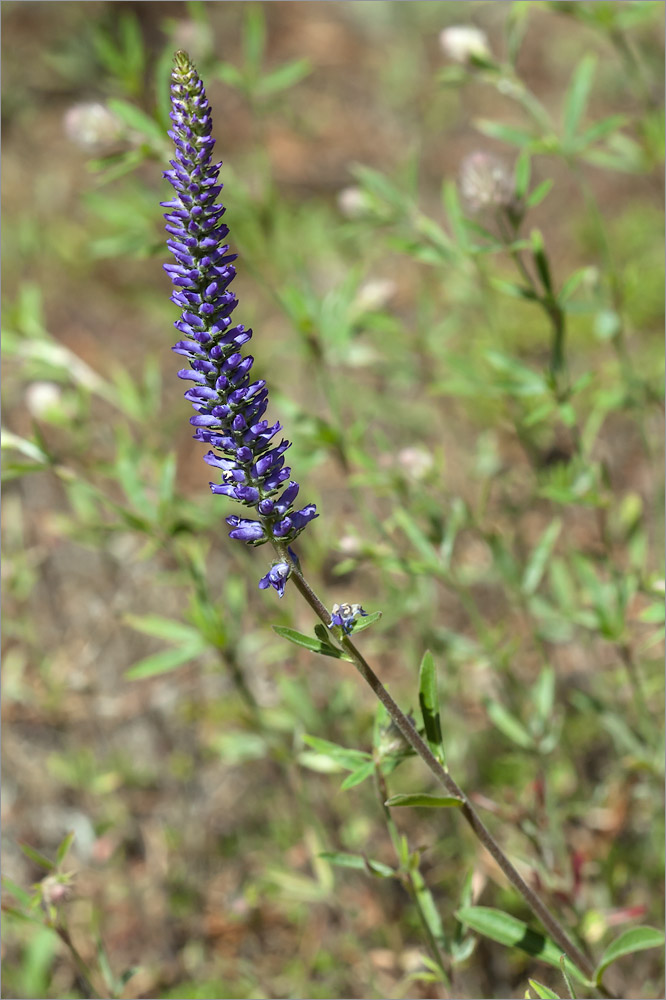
(499, 500)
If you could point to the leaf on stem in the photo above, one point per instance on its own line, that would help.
(429, 701)
(514, 933)
(307, 642)
(632, 940)
(423, 799)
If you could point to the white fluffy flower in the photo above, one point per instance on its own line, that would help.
(93, 127)
(464, 43)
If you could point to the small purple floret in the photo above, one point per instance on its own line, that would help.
(276, 577)
(229, 407)
(344, 615)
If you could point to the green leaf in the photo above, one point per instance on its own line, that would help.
(505, 133)
(575, 102)
(539, 557)
(513, 290)
(254, 38)
(571, 284)
(360, 774)
(284, 77)
(359, 863)
(164, 661)
(20, 895)
(514, 933)
(424, 800)
(522, 174)
(429, 701)
(63, 848)
(509, 725)
(542, 992)
(163, 628)
(307, 642)
(346, 757)
(37, 857)
(567, 979)
(539, 193)
(360, 624)
(634, 939)
(416, 536)
(137, 120)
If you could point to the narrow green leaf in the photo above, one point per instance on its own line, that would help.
(348, 758)
(37, 857)
(567, 979)
(163, 662)
(539, 557)
(429, 701)
(634, 939)
(505, 133)
(358, 862)
(362, 623)
(571, 284)
(284, 77)
(20, 895)
(359, 775)
(523, 172)
(514, 291)
(539, 193)
(137, 120)
(509, 725)
(424, 800)
(63, 848)
(542, 992)
(416, 536)
(514, 933)
(575, 102)
(307, 642)
(163, 628)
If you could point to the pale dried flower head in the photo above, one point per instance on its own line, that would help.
(415, 461)
(42, 398)
(352, 202)
(93, 127)
(463, 43)
(486, 182)
(374, 294)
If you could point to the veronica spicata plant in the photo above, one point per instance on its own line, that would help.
(229, 417)
(229, 406)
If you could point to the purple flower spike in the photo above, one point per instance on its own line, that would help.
(229, 406)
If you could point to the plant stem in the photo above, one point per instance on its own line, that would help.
(408, 730)
(81, 967)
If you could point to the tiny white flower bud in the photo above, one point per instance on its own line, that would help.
(463, 43)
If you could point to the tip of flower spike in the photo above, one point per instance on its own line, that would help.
(182, 60)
